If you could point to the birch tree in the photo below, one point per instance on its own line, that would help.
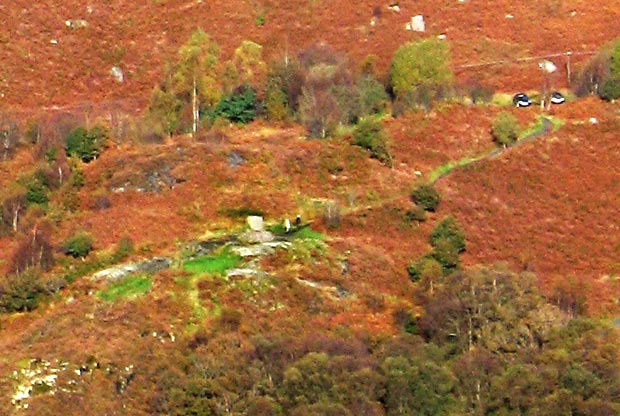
(195, 74)
(13, 206)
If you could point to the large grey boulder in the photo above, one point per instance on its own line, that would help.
(255, 237)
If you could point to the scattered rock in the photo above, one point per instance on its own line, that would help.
(113, 274)
(76, 23)
(255, 237)
(341, 292)
(235, 160)
(417, 24)
(255, 223)
(394, 7)
(243, 273)
(264, 249)
(154, 265)
(202, 248)
(117, 74)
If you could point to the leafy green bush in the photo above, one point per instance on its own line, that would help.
(614, 59)
(363, 98)
(370, 134)
(601, 75)
(85, 144)
(417, 213)
(163, 112)
(449, 230)
(426, 197)
(284, 83)
(610, 88)
(447, 255)
(36, 191)
(239, 107)
(123, 249)
(370, 97)
(426, 268)
(78, 245)
(21, 292)
(505, 128)
(420, 71)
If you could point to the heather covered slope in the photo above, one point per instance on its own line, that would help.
(176, 308)
(45, 62)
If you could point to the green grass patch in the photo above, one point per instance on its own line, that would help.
(303, 232)
(537, 126)
(501, 99)
(217, 264)
(556, 122)
(307, 245)
(277, 229)
(448, 167)
(308, 233)
(130, 286)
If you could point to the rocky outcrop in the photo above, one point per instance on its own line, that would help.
(115, 273)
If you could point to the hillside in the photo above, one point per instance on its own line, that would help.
(133, 280)
(47, 63)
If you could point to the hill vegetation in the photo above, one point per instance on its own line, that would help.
(403, 262)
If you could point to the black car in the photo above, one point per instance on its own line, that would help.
(521, 100)
(557, 98)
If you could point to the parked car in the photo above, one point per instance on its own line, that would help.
(557, 98)
(521, 100)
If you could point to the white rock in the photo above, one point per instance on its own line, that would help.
(117, 74)
(255, 223)
(417, 23)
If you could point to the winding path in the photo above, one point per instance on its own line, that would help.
(545, 128)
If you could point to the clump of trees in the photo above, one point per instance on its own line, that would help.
(420, 73)
(426, 197)
(448, 242)
(485, 341)
(318, 88)
(78, 245)
(370, 135)
(601, 75)
(85, 144)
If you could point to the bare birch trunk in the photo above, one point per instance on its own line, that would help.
(195, 108)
